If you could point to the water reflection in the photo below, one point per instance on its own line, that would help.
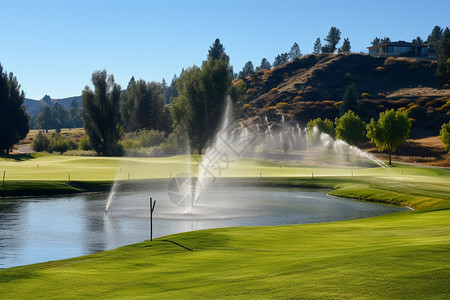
(43, 229)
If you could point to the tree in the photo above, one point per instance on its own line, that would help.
(294, 52)
(443, 63)
(435, 36)
(317, 46)
(265, 65)
(333, 38)
(217, 51)
(323, 126)
(418, 41)
(345, 46)
(349, 100)
(445, 135)
(47, 118)
(391, 130)
(14, 123)
(75, 114)
(377, 41)
(247, 70)
(281, 59)
(101, 113)
(201, 99)
(350, 129)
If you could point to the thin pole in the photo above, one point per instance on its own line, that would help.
(152, 208)
(4, 174)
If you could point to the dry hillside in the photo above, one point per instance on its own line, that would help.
(313, 86)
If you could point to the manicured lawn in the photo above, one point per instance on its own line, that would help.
(400, 256)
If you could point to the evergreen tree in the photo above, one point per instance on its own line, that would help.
(101, 113)
(349, 100)
(345, 46)
(294, 52)
(332, 39)
(217, 51)
(47, 118)
(281, 59)
(246, 70)
(435, 36)
(265, 65)
(376, 41)
(418, 41)
(14, 123)
(317, 46)
(201, 99)
(443, 64)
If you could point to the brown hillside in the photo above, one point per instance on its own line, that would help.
(312, 86)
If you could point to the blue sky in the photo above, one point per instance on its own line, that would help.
(53, 46)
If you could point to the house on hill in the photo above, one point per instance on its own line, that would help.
(402, 49)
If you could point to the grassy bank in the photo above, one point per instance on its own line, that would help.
(401, 256)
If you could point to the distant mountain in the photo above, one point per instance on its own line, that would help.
(33, 107)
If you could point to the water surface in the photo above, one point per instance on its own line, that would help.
(53, 228)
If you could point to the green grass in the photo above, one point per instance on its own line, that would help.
(400, 256)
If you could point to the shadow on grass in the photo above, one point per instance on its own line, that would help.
(18, 157)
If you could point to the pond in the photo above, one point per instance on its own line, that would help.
(53, 228)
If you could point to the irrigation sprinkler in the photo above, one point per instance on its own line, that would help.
(152, 208)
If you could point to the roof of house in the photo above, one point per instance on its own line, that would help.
(398, 44)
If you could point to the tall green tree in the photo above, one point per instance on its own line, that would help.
(391, 130)
(346, 47)
(14, 123)
(265, 65)
(247, 70)
(350, 129)
(317, 46)
(443, 63)
(202, 96)
(349, 100)
(101, 113)
(418, 41)
(445, 135)
(47, 119)
(332, 39)
(295, 52)
(281, 59)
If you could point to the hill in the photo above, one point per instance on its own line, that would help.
(313, 86)
(33, 107)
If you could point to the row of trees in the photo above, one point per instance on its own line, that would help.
(196, 110)
(57, 117)
(390, 130)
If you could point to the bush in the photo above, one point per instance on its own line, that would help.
(366, 96)
(381, 96)
(283, 105)
(274, 90)
(40, 142)
(445, 135)
(85, 143)
(246, 106)
(379, 70)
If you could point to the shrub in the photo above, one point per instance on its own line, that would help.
(379, 70)
(445, 135)
(366, 96)
(40, 142)
(298, 98)
(338, 103)
(246, 106)
(251, 92)
(85, 143)
(274, 90)
(381, 96)
(283, 105)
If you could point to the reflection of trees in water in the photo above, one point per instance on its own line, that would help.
(94, 240)
(10, 218)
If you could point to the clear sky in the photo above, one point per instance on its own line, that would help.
(53, 46)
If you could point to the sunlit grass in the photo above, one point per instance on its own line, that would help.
(400, 256)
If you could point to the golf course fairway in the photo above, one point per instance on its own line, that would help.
(399, 256)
